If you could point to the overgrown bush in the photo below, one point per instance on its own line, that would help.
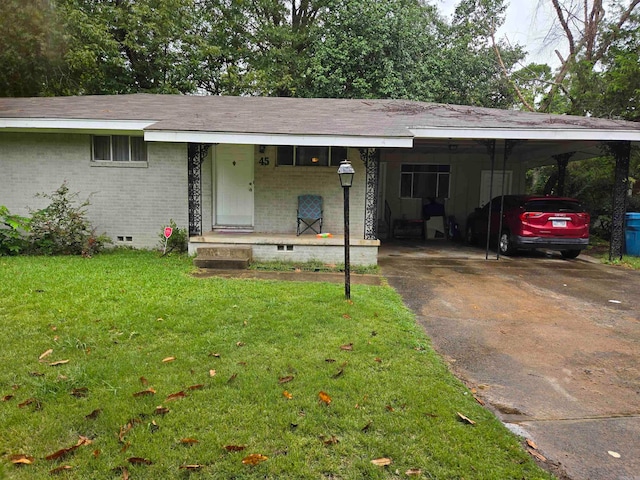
(13, 229)
(62, 228)
(178, 241)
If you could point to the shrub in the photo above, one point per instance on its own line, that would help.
(13, 230)
(178, 241)
(62, 228)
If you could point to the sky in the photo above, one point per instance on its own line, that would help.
(528, 23)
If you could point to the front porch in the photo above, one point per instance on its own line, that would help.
(270, 247)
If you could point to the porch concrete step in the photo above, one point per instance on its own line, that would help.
(223, 257)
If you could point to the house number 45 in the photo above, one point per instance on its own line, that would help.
(264, 161)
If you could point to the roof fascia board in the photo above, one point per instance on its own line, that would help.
(527, 134)
(73, 124)
(277, 139)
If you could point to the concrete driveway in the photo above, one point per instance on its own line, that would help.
(552, 346)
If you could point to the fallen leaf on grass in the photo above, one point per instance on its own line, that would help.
(45, 354)
(338, 373)
(199, 386)
(381, 462)
(332, 440)
(160, 410)
(286, 379)
(212, 373)
(216, 355)
(346, 316)
(367, 426)
(190, 467)
(93, 415)
(531, 444)
(144, 381)
(254, 459)
(64, 451)
(413, 471)
(324, 398)
(239, 344)
(234, 448)
(347, 347)
(80, 392)
(168, 359)
(287, 395)
(479, 400)
(139, 461)
(6, 398)
(27, 402)
(144, 393)
(59, 362)
(60, 469)
(96, 453)
(189, 441)
(125, 447)
(21, 459)
(389, 408)
(465, 419)
(175, 396)
(127, 428)
(329, 360)
(377, 359)
(232, 378)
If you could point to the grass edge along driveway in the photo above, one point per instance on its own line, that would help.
(125, 366)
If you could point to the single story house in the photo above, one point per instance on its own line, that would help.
(231, 169)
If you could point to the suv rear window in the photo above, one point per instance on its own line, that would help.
(553, 205)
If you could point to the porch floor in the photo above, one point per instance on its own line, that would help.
(256, 238)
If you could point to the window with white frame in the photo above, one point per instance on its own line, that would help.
(419, 180)
(311, 156)
(119, 148)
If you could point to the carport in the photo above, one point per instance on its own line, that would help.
(505, 143)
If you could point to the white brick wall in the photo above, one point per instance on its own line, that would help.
(277, 190)
(125, 201)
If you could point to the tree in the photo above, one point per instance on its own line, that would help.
(125, 46)
(31, 47)
(597, 35)
(474, 74)
(383, 49)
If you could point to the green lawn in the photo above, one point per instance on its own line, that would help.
(237, 346)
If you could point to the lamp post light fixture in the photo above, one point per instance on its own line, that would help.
(346, 172)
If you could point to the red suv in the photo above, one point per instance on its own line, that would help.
(530, 222)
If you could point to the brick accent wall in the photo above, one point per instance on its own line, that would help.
(126, 200)
(277, 190)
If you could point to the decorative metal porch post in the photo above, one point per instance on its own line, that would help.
(371, 159)
(196, 153)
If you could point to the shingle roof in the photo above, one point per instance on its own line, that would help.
(293, 116)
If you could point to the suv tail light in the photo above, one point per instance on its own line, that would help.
(527, 215)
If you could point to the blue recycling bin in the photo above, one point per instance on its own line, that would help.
(632, 234)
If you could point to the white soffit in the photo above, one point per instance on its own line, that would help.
(77, 125)
(526, 134)
(277, 139)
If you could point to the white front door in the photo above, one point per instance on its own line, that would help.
(234, 185)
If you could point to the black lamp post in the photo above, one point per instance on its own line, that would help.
(346, 172)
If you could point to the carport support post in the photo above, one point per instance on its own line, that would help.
(621, 151)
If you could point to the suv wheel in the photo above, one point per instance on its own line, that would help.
(569, 253)
(505, 244)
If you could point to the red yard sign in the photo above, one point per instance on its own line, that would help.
(167, 232)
